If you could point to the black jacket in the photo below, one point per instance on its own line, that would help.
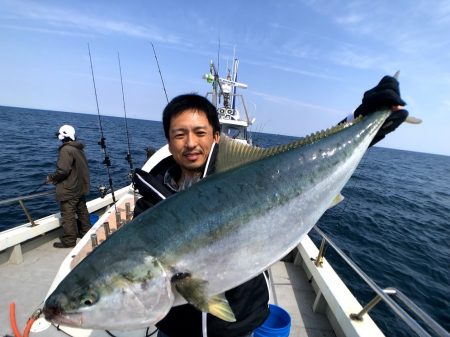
(249, 301)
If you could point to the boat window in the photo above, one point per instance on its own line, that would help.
(233, 132)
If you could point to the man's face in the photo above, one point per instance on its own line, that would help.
(190, 139)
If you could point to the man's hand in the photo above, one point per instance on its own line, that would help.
(49, 179)
(385, 95)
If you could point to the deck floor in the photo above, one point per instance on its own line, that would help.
(293, 292)
(27, 284)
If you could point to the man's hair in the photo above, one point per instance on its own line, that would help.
(187, 102)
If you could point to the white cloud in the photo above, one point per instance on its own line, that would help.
(290, 102)
(303, 72)
(47, 31)
(349, 19)
(355, 58)
(65, 21)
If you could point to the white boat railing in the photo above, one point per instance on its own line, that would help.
(12, 239)
(385, 295)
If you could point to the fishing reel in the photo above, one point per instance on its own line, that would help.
(103, 190)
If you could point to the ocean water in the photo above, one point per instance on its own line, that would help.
(394, 222)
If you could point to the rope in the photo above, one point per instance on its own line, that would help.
(12, 320)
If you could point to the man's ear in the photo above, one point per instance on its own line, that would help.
(169, 144)
(217, 137)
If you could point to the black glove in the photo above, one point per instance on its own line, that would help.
(385, 95)
(391, 123)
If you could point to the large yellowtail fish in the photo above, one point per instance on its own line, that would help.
(214, 236)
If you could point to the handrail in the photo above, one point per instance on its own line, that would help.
(22, 204)
(384, 295)
(419, 312)
(25, 197)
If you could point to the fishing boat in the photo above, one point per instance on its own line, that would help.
(305, 285)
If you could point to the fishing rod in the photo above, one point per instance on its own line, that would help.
(128, 157)
(39, 187)
(102, 142)
(159, 69)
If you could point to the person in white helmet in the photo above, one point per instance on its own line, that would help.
(72, 185)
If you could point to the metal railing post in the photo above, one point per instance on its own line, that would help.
(369, 306)
(319, 258)
(27, 213)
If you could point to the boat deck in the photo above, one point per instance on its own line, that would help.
(27, 284)
(294, 293)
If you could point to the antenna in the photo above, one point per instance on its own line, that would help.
(218, 64)
(218, 54)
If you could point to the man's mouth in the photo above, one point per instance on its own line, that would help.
(192, 156)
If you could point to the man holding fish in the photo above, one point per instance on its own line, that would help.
(209, 242)
(192, 130)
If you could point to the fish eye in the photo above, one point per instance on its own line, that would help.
(88, 299)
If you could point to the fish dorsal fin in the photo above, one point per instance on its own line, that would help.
(234, 154)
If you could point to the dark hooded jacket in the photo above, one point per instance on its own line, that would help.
(72, 172)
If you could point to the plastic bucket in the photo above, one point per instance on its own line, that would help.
(93, 218)
(277, 324)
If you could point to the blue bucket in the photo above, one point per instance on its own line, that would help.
(93, 218)
(277, 324)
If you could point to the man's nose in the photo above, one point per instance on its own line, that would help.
(191, 140)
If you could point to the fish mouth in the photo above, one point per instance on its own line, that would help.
(55, 314)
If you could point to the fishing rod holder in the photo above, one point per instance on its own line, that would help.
(94, 240)
(119, 221)
(128, 213)
(106, 229)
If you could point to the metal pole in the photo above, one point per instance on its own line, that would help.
(27, 213)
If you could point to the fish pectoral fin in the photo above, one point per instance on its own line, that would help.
(337, 199)
(218, 306)
(194, 291)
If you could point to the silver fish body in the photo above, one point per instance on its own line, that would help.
(222, 231)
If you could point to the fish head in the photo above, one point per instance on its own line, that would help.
(123, 295)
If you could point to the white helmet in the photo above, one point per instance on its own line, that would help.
(66, 131)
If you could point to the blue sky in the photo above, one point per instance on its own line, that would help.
(306, 62)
